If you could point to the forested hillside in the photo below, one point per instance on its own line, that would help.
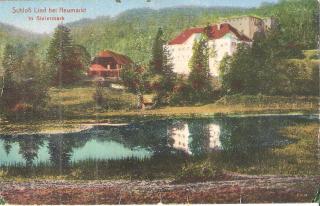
(132, 32)
(12, 35)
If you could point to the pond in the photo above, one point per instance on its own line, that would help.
(171, 141)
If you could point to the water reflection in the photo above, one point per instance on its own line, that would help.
(200, 138)
(29, 147)
(178, 134)
(238, 139)
(214, 136)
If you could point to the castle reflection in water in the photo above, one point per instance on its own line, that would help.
(181, 138)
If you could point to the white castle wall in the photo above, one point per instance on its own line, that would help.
(182, 53)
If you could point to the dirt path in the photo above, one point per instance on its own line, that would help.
(247, 189)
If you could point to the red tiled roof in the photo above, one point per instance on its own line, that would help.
(185, 35)
(97, 68)
(120, 59)
(214, 33)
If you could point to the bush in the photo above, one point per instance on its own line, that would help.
(2, 201)
(180, 95)
(199, 173)
(317, 197)
(98, 94)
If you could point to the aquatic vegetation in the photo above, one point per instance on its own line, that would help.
(2, 201)
(317, 197)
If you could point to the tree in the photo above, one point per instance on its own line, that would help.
(9, 92)
(34, 85)
(265, 68)
(199, 77)
(98, 96)
(24, 87)
(156, 63)
(66, 60)
(135, 79)
(162, 70)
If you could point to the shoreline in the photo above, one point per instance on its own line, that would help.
(83, 125)
(243, 188)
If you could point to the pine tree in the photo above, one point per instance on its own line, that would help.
(34, 86)
(61, 57)
(9, 91)
(156, 63)
(199, 77)
(162, 69)
(22, 86)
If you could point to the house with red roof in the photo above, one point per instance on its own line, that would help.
(223, 39)
(108, 64)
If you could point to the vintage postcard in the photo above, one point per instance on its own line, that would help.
(159, 101)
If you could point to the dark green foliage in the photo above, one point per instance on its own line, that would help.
(156, 63)
(9, 91)
(315, 82)
(13, 35)
(199, 173)
(135, 78)
(181, 92)
(317, 197)
(264, 68)
(29, 147)
(98, 94)
(299, 20)
(34, 79)
(302, 77)
(199, 77)
(162, 69)
(67, 61)
(2, 201)
(24, 89)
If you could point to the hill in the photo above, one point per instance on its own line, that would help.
(132, 31)
(13, 35)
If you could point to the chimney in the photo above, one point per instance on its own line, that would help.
(218, 25)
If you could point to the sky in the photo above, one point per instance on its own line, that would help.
(94, 8)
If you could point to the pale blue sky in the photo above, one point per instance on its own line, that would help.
(97, 8)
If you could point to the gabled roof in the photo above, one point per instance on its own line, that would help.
(214, 33)
(119, 58)
(186, 34)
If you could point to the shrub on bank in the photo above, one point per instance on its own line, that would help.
(317, 197)
(199, 173)
(2, 201)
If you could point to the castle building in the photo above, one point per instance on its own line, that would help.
(224, 38)
(249, 25)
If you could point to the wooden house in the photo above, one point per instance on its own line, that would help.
(108, 64)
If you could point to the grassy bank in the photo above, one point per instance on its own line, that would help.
(77, 103)
(74, 108)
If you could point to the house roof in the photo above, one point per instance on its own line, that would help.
(119, 58)
(214, 33)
